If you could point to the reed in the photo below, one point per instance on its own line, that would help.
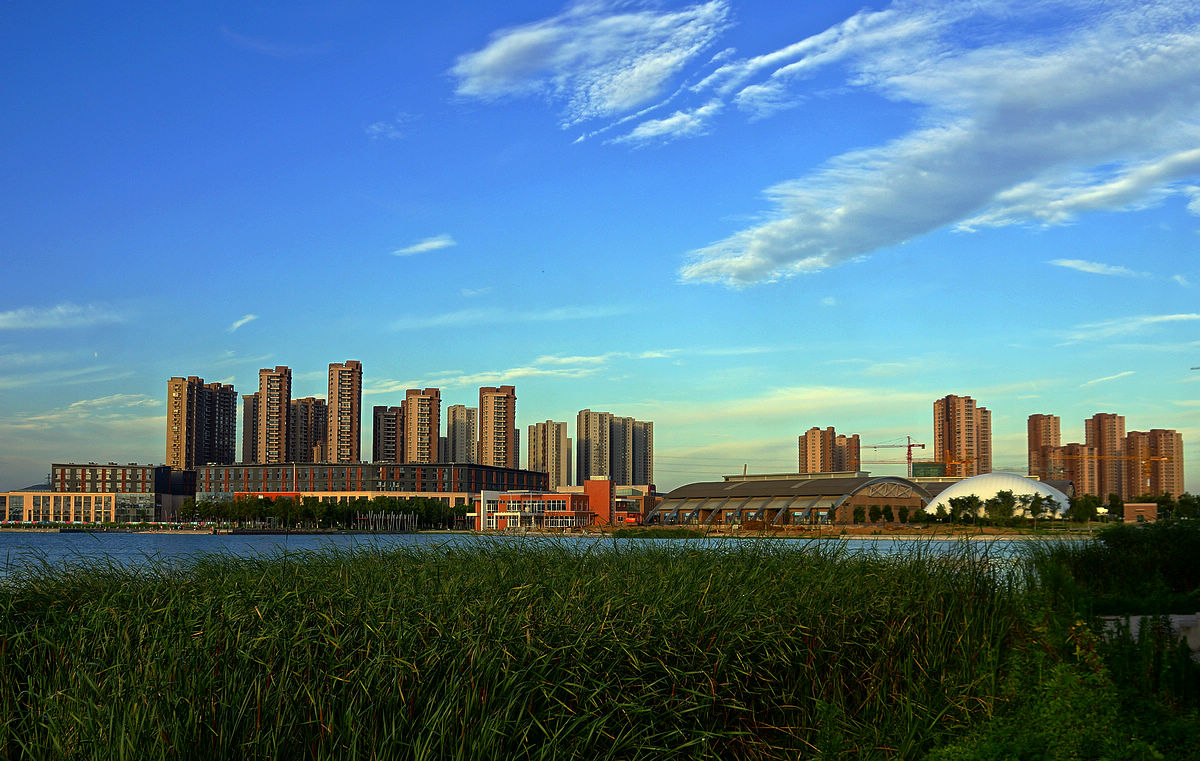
(498, 650)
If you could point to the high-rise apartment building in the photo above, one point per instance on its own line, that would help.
(498, 427)
(422, 424)
(962, 436)
(618, 448)
(344, 432)
(201, 423)
(274, 409)
(1043, 437)
(827, 451)
(549, 451)
(1154, 465)
(387, 434)
(249, 428)
(307, 421)
(1105, 431)
(462, 433)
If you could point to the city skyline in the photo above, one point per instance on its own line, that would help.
(752, 219)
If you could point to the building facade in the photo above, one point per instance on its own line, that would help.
(962, 436)
(827, 451)
(1105, 433)
(498, 427)
(308, 419)
(274, 411)
(422, 424)
(201, 422)
(549, 451)
(613, 447)
(1043, 436)
(344, 429)
(249, 428)
(462, 433)
(1155, 463)
(227, 482)
(387, 434)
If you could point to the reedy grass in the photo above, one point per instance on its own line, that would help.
(499, 650)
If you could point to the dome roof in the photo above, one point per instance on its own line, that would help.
(988, 485)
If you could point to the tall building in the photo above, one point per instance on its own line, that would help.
(549, 451)
(962, 436)
(1155, 464)
(592, 439)
(1076, 463)
(201, 423)
(498, 427)
(344, 432)
(827, 451)
(1106, 432)
(422, 424)
(617, 448)
(462, 433)
(1044, 435)
(387, 435)
(249, 428)
(274, 409)
(307, 422)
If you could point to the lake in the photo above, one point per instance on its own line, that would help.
(22, 548)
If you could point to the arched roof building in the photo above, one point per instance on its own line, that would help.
(790, 500)
(988, 485)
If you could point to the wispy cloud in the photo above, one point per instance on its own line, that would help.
(1106, 378)
(242, 321)
(1181, 280)
(1096, 268)
(997, 143)
(233, 358)
(65, 377)
(392, 129)
(102, 409)
(599, 58)
(1124, 326)
(678, 125)
(428, 244)
(470, 293)
(493, 314)
(60, 316)
(273, 48)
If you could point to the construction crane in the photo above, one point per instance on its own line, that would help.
(908, 446)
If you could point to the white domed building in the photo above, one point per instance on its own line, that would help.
(988, 485)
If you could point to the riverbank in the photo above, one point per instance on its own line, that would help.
(534, 650)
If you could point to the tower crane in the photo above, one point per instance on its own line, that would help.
(908, 446)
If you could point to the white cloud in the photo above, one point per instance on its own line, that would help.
(60, 316)
(242, 321)
(1096, 268)
(428, 244)
(599, 58)
(470, 293)
(677, 125)
(1124, 326)
(273, 48)
(1000, 139)
(65, 377)
(1106, 378)
(494, 314)
(388, 130)
(1181, 280)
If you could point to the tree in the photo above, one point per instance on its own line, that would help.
(860, 514)
(1083, 509)
(903, 514)
(1116, 507)
(1037, 506)
(1000, 507)
(875, 513)
(1187, 506)
(887, 514)
(965, 508)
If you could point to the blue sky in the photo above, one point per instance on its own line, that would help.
(736, 219)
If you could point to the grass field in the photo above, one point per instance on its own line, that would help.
(500, 651)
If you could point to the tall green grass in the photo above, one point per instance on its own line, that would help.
(504, 651)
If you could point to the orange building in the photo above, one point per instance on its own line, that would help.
(826, 451)
(274, 411)
(962, 436)
(422, 424)
(1044, 435)
(498, 426)
(344, 430)
(201, 422)
(1105, 432)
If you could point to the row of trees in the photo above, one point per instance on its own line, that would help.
(311, 512)
(1008, 508)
